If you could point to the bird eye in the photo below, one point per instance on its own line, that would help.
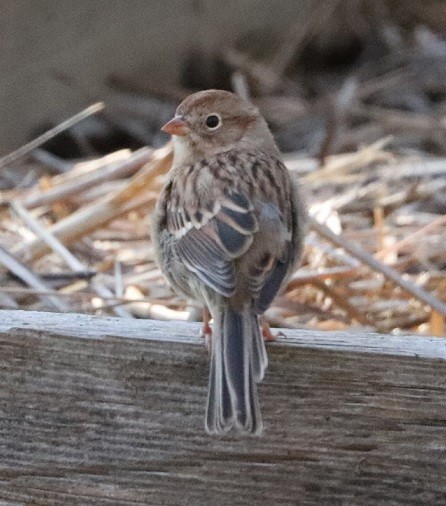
(213, 121)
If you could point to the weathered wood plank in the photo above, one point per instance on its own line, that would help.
(99, 327)
(113, 420)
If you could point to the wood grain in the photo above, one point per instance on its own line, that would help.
(117, 420)
(80, 325)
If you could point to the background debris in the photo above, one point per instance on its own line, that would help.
(360, 115)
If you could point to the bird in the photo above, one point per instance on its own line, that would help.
(228, 229)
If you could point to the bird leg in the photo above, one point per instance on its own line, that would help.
(206, 330)
(267, 334)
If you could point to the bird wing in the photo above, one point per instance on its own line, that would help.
(273, 280)
(208, 241)
(215, 222)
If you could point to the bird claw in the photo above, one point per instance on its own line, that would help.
(267, 334)
(206, 334)
(206, 330)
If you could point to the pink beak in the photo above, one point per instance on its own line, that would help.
(176, 126)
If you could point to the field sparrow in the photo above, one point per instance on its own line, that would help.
(227, 229)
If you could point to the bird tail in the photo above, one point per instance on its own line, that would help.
(238, 361)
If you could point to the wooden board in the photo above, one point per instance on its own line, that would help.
(88, 416)
(79, 325)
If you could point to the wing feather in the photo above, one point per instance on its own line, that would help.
(218, 227)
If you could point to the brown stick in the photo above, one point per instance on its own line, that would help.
(38, 141)
(121, 168)
(52, 242)
(85, 220)
(358, 252)
(342, 302)
(29, 277)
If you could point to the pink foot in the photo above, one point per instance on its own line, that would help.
(267, 334)
(206, 330)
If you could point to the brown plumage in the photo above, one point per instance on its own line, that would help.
(228, 229)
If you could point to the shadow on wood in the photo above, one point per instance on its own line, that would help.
(109, 411)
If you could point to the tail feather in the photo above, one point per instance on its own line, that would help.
(219, 411)
(259, 356)
(238, 361)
